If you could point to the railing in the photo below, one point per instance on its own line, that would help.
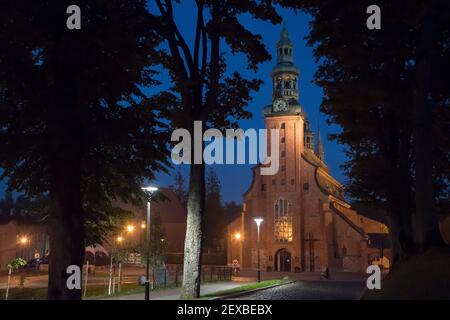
(174, 275)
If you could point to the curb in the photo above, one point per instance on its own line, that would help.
(239, 294)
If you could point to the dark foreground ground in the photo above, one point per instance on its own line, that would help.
(310, 290)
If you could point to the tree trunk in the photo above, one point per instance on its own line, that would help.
(193, 240)
(426, 222)
(400, 201)
(66, 228)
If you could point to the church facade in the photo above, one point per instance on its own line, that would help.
(307, 224)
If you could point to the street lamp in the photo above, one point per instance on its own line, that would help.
(149, 190)
(130, 228)
(23, 241)
(116, 242)
(258, 222)
(237, 237)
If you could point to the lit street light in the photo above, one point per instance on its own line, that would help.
(258, 223)
(237, 236)
(23, 242)
(111, 285)
(148, 190)
(130, 228)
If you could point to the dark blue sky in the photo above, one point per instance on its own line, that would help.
(236, 179)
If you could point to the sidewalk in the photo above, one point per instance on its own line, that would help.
(174, 293)
(250, 275)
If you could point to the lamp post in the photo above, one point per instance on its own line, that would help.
(237, 237)
(149, 190)
(111, 285)
(23, 241)
(258, 223)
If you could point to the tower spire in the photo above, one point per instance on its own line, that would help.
(320, 151)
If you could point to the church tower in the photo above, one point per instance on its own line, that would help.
(306, 220)
(285, 114)
(285, 98)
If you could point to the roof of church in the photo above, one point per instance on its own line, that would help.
(326, 183)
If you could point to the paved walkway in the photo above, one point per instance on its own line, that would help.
(250, 275)
(174, 293)
(310, 290)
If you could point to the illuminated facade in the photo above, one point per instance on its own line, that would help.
(307, 222)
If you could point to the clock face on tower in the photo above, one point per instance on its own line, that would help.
(280, 105)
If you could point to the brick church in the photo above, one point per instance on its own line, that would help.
(307, 223)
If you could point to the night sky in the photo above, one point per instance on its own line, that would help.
(236, 179)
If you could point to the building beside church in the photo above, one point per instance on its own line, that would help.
(307, 223)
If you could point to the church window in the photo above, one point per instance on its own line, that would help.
(274, 182)
(306, 186)
(292, 181)
(263, 187)
(283, 168)
(281, 51)
(283, 221)
(283, 140)
(285, 51)
(283, 126)
(283, 182)
(283, 154)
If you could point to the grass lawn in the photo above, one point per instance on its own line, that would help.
(93, 292)
(244, 288)
(422, 277)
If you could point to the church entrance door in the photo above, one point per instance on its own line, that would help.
(283, 260)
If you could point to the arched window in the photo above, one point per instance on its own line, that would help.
(283, 221)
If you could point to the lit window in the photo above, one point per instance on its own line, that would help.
(283, 221)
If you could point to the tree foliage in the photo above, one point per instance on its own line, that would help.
(74, 121)
(205, 88)
(369, 78)
(215, 217)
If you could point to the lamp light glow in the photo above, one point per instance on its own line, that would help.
(149, 189)
(258, 221)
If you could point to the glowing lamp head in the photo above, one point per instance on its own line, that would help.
(119, 239)
(130, 228)
(143, 225)
(149, 189)
(237, 236)
(258, 221)
(23, 240)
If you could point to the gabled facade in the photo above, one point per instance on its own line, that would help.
(307, 222)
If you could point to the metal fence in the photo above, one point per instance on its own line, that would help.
(173, 275)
